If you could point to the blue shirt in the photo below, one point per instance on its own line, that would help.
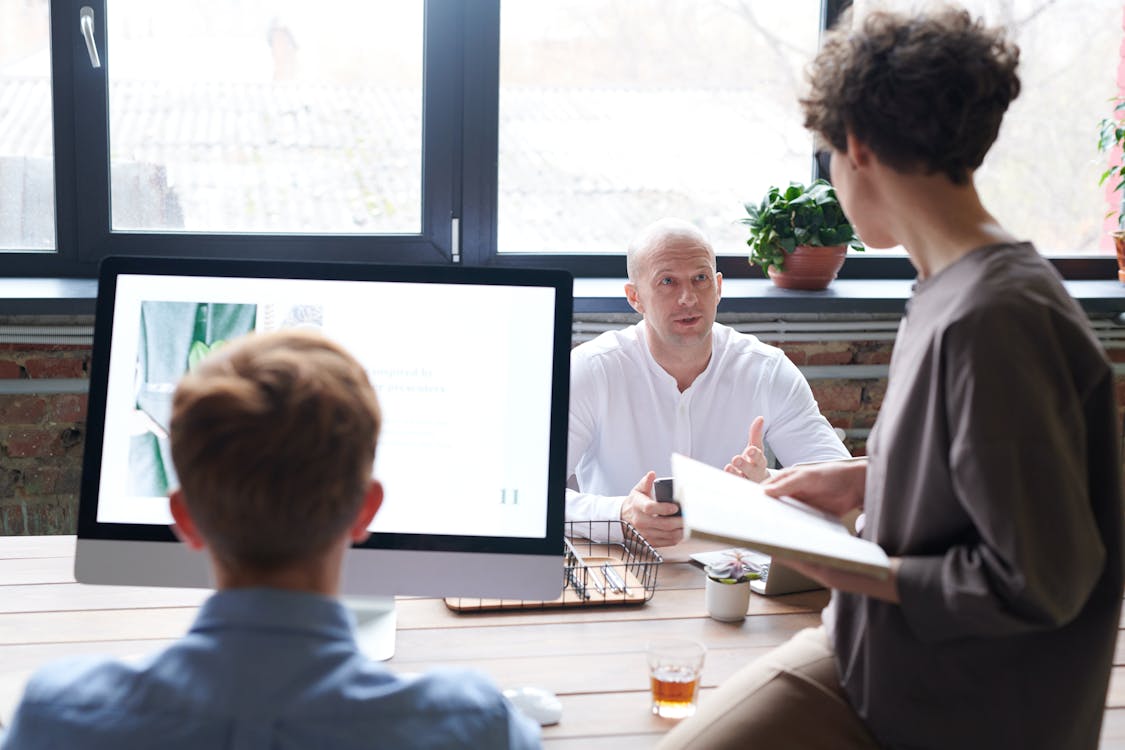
(262, 668)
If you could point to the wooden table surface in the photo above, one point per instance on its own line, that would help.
(592, 658)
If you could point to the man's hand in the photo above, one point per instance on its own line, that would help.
(653, 519)
(751, 463)
(844, 580)
(835, 487)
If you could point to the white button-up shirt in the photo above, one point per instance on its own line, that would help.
(627, 416)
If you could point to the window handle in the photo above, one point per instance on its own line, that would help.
(86, 23)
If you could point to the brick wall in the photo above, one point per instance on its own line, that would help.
(42, 433)
(41, 436)
(848, 403)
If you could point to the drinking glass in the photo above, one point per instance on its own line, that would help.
(675, 665)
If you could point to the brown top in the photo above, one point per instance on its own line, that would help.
(995, 474)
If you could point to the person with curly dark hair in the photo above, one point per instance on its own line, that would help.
(993, 477)
(926, 94)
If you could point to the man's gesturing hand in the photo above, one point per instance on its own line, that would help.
(751, 463)
(653, 519)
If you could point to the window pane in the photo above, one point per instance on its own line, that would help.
(266, 116)
(614, 113)
(1041, 177)
(27, 156)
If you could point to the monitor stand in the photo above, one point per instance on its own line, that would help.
(375, 624)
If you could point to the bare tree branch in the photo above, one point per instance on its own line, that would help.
(744, 9)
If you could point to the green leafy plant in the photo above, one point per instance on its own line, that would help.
(796, 215)
(735, 567)
(1111, 135)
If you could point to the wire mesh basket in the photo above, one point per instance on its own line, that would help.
(606, 563)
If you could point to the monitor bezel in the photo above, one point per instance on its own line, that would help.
(560, 281)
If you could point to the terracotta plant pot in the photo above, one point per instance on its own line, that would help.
(809, 268)
(1119, 243)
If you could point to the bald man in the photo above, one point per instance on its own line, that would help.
(680, 382)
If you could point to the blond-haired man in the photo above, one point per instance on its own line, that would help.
(273, 438)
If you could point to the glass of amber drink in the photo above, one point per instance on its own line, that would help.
(674, 667)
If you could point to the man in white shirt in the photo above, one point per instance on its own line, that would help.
(679, 382)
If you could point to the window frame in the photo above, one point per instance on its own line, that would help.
(483, 65)
(83, 226)
(459, 162)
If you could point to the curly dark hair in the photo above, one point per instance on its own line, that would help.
(924, 92)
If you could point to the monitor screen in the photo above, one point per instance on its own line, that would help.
(471, 368)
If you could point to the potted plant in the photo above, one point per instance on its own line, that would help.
(1111, 137)
(728, 585)
(799, 235)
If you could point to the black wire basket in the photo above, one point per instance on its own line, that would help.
(605, 563)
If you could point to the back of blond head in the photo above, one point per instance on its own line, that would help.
(273, 438)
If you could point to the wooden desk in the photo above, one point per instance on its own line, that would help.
(593, 658)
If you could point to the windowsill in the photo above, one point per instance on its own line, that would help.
(47, 296)
(843, 296)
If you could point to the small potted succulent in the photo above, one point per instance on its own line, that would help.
(799, 235)
(728, 585)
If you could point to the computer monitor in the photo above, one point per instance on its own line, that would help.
(471, 368)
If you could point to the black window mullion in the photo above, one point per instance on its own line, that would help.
(64, 26)
(479, 134)
(441, 91)
(91, 136)
(339, 247)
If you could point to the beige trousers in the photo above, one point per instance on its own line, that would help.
(789, 698)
